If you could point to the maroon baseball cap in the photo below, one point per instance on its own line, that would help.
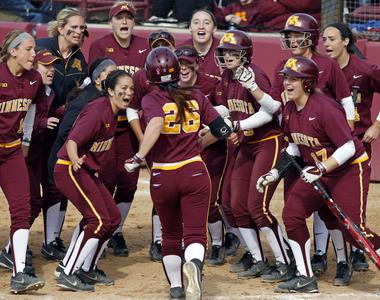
(114, 11)
(187, 53)
(45, 57)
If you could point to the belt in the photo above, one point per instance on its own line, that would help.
(175, 165)
(265, 139)
(64, 162)
(361, 158)
(11, 144)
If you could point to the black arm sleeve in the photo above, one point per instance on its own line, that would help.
(220, 129)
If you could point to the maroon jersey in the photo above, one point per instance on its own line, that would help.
(365, 78)
(16, 95)
(93, 131)
(42, 112)
(242, 104)
(318, 129)
(247, 13)
(207, 86)
(207, 64)
(142, 87)
(130, 59)
(177, 142)
(331, 80)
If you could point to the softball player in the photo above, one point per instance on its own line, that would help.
(317, 132)
(20, 87)
(202, 28)
(251, 109)
(33, 138)
(214, 155)
(142, 87)
(364, 80)
(129, 52)
(66, 36)
(76, 175)
(180, 184)
(301, 36)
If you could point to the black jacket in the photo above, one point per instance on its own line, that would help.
(69, 74)
(73, 110)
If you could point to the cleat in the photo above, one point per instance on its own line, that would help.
(194, 278)
(231, 243)
(73, 283)
(299, 284)
(55, 250)
(6, 260)
(59, 270)
(118, 244)
(23, 282)
(343, 274)
(280, 272)
(177, 293)
(95, 276)
(243, 264)
(217, 257)
(257, 269)
(358, 261)
(155, 252)
(319, 263)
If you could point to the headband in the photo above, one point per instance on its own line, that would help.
(101, 67)
(18, 40)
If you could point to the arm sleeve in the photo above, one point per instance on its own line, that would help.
(349, 108)
(132, 114)
(258, 119)
(344, 152)
(28, 124)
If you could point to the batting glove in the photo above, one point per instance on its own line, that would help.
(310, 174)
(234, 125)
(133, 163)
(267, 179)
(246, 77)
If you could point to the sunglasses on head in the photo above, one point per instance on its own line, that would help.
(186, 52)
(160, 34)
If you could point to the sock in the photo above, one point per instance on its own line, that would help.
(124, 208)
(302, 257)
(74, 238)
(216, 232)
(339, 245)
(51, 220)
(19, 244)
(83, 247)
(252, 240)
(172, 265)
(321, 234)
(194, 250)
(157, 233)
(276, 242)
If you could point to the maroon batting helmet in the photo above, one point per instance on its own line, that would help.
(304, 68)
(302, 23)
(162, 66)
(234, 40)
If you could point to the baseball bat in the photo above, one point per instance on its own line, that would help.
(350, 226)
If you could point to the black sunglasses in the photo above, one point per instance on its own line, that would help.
(186, 52)
(160, 35)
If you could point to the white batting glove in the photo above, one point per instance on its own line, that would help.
(310, 174)
(246, 77)
(133, 163)
(267, 179)
(234, 125)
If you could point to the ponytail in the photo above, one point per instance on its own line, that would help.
(180, 96)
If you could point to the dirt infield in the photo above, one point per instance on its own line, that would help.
(138, 278)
